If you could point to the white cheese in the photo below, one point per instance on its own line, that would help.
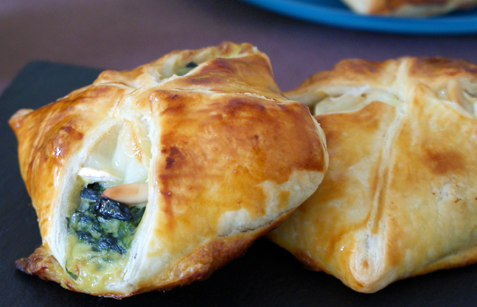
(91, 174)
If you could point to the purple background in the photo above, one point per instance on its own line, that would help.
(122, 34)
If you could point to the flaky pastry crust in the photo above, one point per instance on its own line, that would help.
(228, 157)
(399, 197)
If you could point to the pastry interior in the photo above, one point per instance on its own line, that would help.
(101, 231)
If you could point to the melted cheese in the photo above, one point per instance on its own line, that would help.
(94, 270)
(91, 174)
(354, 99)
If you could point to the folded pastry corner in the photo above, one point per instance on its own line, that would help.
(399, 198)
(155, 177)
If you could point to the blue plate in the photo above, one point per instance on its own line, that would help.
(335, 13)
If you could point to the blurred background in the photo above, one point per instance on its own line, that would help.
(122, 34)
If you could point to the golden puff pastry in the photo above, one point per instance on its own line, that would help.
(408, 8)
(204, 139)
(399, 198)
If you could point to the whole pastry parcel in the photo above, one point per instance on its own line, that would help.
(155, 177)
(399, 198)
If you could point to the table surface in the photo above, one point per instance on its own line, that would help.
(115, 37)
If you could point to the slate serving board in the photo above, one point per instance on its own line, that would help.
(266, 276)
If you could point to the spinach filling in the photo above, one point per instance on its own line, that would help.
(184, 70)
(105, 224)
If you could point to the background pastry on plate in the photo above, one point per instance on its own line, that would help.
(408, 8)
(399, 198)
(152, 178)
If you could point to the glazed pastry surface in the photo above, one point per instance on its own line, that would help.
(225, 156)
(399, 197)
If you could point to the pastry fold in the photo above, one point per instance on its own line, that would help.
(399, 198)
(226, 158)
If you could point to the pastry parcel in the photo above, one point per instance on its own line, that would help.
(400, 197)
(155, 177)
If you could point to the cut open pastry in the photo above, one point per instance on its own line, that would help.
(408, 8)
(399, 198)
(155, 177)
